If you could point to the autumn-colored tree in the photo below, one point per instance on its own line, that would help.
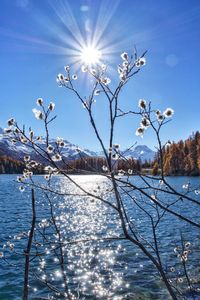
(183, 158)
(155, 169)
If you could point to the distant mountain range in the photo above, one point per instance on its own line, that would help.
(69, 151)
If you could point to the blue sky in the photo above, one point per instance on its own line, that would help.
(38, 38)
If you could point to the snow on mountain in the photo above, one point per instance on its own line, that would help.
(141, 152)
(19, 150)
(69, 151)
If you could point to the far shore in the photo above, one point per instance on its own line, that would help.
(143, 173)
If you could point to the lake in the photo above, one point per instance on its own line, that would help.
(97, 268)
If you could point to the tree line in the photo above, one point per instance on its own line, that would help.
(89, 164)
(9, 165)
(181, 158)
(95, 164)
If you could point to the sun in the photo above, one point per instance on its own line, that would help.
(90, 55)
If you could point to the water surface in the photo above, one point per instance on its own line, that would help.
(99, 268)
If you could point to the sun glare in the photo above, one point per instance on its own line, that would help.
(90, 55)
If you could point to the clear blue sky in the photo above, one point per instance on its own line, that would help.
(37, 38)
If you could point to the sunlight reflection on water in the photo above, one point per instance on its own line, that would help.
(90, 262)
(95, 266)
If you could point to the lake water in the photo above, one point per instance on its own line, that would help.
(96, 269)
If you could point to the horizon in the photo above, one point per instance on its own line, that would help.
(53, 139)
(93, 150)
(39, 39)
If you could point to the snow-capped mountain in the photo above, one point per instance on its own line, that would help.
(141, 152)
(19, 150)
(69, 151)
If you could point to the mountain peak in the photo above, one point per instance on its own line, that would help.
(142, 152)
(142, 147)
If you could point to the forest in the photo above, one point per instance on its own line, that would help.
(10, 166)
(181, 158)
